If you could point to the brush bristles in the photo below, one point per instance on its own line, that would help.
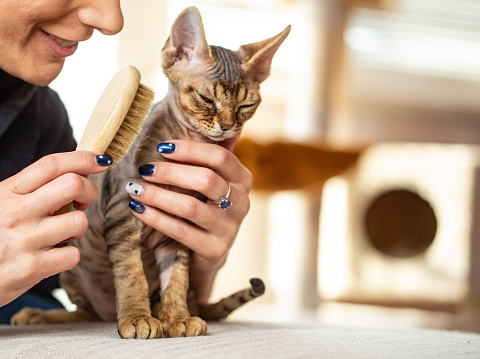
(130, 127)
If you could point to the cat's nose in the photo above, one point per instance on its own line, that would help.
(225, 127)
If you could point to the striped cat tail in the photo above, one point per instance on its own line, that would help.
(225, 306)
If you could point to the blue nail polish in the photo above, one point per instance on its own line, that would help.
(137, 207)
(166, 147)
(146, 170)
(103, 160)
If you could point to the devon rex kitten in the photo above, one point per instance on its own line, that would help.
(128, 272)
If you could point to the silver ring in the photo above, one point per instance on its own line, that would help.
(224, 202)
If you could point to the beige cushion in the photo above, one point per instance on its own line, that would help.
(238, 340)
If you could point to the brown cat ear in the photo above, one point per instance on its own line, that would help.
(187, 40)
(258, 56)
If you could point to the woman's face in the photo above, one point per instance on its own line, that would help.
(37, 35)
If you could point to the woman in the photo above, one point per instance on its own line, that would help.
(38, 175)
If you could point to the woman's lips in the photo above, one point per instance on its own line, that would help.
(62, 42)
(60, 47)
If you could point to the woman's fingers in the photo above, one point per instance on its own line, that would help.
(39, 234)
(32, 267)
(29, 268)
(58, 229)
(181, 205)
(230, 143)
(52, 166)
(217, 158)
(205, 228)
(29, 232)
(51, 182)
(58, 259)
(200, 179)
(65, 189)
(209, 232)
(194, 237)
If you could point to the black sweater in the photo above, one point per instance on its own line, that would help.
(33, 123)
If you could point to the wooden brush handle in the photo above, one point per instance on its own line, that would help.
(110, 111)
(108, 115)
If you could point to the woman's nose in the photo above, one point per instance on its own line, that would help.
(104, 15)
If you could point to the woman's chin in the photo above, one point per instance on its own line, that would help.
(41, 75)
(46, 78)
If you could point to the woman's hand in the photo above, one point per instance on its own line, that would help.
(29, 230)
(209, 169)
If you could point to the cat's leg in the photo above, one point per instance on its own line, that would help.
(38, 316)
(123, 235)
(173, 311)
(83, 313)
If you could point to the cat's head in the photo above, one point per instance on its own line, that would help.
(217, 89)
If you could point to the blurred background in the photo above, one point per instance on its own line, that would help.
(389, 234)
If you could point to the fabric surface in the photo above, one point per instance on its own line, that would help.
(238, 340)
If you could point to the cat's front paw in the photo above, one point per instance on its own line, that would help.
(29, 316)
(187, 327)
(140, 328)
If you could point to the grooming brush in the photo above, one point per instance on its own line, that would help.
(117, 118)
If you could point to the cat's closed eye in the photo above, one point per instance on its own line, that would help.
(204, 98)
(244, 112)
(248, 106)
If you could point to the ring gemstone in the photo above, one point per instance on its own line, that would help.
(224, 203)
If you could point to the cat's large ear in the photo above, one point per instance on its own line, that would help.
(258, 56)
(187, 40)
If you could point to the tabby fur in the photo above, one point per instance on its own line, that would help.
(127, 270)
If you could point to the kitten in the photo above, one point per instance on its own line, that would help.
(126, 266)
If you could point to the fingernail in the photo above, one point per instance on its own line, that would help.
(134, 188)
(146, 170)
(137, 207)
(103, 160)
(166, 147)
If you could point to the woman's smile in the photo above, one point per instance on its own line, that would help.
(59, 46)
(37, 35)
